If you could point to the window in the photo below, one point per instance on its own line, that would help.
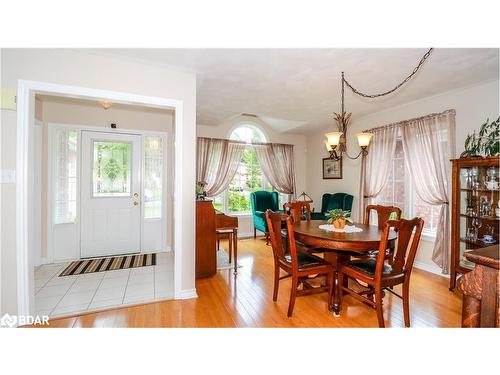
(400, 192)
(65, 164)
(248, 177)
(112, 169)
(153, 167)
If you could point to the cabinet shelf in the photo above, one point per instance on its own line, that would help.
(491, 218)
(477, 243)
(482, 190)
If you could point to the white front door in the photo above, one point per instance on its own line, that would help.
(110, 194)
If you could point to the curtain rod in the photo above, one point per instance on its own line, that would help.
(245, 143)
(448, 111)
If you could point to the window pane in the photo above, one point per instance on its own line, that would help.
(217, 202)
(153, 175)
(65, 159)
(427, 212)
(248, 178)
(112, 169)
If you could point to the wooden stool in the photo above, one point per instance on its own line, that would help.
(232, 235)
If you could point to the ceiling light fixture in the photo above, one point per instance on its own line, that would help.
(336, 141)
(106, 105)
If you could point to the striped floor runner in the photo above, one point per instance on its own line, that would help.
(108, 264)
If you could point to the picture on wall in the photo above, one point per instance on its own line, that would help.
(332, 169)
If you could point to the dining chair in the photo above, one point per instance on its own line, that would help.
(384, 214)
(298, 211)
(379, 275)
(296, 262)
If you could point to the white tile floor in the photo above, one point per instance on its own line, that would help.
(57, 296)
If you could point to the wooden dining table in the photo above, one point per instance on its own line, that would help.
(340, 246)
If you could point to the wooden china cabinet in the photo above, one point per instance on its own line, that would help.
(475, 215)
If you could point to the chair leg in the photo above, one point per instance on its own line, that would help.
(218, 244)
(406, 302)
(293, 294)
(378, 306)
(230, 242)
(267, 238)
(276, 282)
(254, 232)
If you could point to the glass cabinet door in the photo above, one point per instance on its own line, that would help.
(479, 209)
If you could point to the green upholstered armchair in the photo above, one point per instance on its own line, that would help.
(261, 201)
(331, 202)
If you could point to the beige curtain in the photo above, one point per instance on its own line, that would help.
(217, 162)
(428, 144)
(277, 164)
(375, 167)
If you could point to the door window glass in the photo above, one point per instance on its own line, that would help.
(112, 170)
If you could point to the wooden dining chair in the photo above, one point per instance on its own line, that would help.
(296, 262)
(379, 275)
(298, 211)
(384, 214)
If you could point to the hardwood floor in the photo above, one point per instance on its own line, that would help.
(246, 301)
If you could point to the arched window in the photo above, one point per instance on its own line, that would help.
(248, 177)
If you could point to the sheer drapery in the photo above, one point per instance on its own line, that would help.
(277, 164)
(217, 162)
(376, 165)
(428, 146)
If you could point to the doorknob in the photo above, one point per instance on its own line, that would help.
(136, 203)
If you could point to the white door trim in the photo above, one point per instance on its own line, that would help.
(25, 197)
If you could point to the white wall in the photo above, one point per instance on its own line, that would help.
(100, 72)
(473, 105)
(224, 129)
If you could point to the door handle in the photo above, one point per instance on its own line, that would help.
(136, 203)
(136, 195)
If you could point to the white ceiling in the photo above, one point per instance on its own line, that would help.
(297, 90)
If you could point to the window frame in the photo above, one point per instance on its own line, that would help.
(265, 183)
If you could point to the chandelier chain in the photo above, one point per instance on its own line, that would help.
(422, 60)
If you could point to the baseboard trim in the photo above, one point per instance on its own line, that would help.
(188, 294)
(429, 268)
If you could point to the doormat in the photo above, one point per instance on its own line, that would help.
(109, 264)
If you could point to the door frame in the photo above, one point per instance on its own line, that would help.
(24, 177)
(167, 191)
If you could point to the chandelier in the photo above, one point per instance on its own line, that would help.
(336, 141)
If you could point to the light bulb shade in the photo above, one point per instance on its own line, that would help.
(364, 139)
(328, 148)
(333, 138)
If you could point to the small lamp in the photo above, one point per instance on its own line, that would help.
(333, 138)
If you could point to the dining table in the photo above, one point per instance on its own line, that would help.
(339, 247)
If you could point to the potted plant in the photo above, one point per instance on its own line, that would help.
(485, 143)
(338, 218)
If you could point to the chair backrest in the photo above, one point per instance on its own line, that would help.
(336, 200)
(409, 232)
(274, 223)
(383, 214)
(296, 210)
(263, 200)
